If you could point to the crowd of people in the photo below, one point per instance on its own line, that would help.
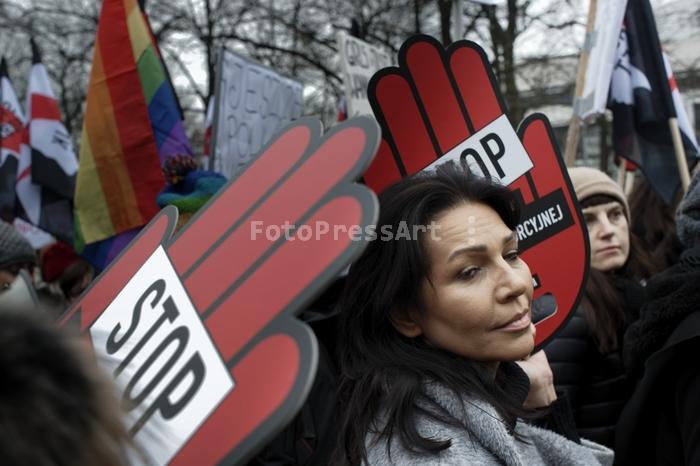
(426, 345)
(58, 274)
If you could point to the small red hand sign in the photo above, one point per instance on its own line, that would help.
(200, 328)
(446, 105)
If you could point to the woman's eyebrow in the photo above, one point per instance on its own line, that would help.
(509, 238)
(479, 247)
(467, 250)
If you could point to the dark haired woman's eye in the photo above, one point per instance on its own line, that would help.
(616, 215)
(590, 219)
(512, 256)
(469, 273)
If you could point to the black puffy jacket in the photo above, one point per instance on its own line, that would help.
(597, 384)
(661, 423)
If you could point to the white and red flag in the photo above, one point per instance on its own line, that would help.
(11, 134)
(687, 133)
(48, 165)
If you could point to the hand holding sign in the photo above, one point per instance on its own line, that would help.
(201, 326)
(443, 105)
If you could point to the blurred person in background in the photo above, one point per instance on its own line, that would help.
(661, 422)
(15, 254)
(65, 274)
(586, 355)
(654, 223)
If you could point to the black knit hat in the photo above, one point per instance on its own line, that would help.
(14, 249)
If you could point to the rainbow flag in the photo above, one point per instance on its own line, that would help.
(131, 124)
(100, 253)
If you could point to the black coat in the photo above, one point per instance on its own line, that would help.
(661, 423)
(309, 439)
(597, 384)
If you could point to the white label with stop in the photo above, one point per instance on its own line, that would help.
(166, 366)
(495, 152)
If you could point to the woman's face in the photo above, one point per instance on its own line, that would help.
(609, 235)
(478, 305)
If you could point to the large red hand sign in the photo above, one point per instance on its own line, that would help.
(201, 327)
(446, 105)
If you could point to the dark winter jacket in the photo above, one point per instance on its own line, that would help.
(661, 423)
(310, 438)
(596, 383)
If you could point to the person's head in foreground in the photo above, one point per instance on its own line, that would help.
(15, 254)
(55, 407)
(65, 271)
(440, 312)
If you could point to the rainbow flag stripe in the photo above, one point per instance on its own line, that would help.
(131, 124)
(163, 111)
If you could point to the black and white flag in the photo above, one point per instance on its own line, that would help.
(642, 101)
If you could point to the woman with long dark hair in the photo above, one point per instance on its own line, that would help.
(656, 229)
(586, 356)
(433, 315)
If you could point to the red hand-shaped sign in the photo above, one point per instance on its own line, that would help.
(201, 327)
(446, 104)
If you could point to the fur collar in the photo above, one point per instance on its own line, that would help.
(672, 296)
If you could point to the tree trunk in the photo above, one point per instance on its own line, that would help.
(208, 41)
(604, 146)
(416, 16)
(511, 88)
(445, 7)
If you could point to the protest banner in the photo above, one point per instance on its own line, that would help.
(252, 104)
(198, 329)
(443, 105)
(359, 61)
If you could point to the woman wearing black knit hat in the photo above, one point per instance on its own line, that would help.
(586, 356)
(661, 422)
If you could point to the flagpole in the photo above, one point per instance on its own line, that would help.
(680, 153)
(574, 133)
(2, 113)
(458, 24)
(217, 110)
(621, 174)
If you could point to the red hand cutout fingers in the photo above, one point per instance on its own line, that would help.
(245, 284)
(435, 100)
(447, 103)
(561, 260)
